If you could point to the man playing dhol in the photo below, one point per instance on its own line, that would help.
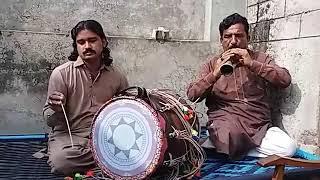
(82, 85)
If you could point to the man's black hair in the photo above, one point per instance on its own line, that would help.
(231, 20)
(95, 27)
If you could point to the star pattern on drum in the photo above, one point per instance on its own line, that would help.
(132, 125)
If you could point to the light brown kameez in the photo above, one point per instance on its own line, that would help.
(84, 96)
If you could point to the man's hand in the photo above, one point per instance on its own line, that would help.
(243, 56)
(216, 69)
(55, 100)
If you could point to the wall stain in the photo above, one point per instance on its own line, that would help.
(6, 71)
(260, 31)
(264, 10)
(23, 69)
(35, 75)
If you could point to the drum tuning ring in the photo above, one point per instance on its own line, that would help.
(165, 107)
(184, 158)
(172, 135)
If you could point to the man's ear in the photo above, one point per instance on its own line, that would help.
(249, 38)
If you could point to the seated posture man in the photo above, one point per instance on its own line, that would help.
(238, 109)
(82, 85)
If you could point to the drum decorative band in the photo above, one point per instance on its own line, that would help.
(146, 134)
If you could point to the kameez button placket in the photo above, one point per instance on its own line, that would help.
(91, 95)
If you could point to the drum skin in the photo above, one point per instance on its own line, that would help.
(128, 138)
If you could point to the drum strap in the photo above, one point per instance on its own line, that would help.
(141, 92)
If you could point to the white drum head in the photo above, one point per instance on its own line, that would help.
(126, 139)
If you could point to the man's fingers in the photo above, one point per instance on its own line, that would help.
(56, 97)
(222, 60)
(57, 94)
(225, 60)
(227, 53)
(238, 51)
(226, 57)
(54, 102)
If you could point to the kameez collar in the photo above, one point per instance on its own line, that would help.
(79, 62)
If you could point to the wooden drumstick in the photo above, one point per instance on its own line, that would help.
(65, 115)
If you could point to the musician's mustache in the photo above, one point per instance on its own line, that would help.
(89, 51)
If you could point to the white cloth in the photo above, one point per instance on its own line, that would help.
(276, 142)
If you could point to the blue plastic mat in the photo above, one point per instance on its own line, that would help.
(218, 166)
(17, 162)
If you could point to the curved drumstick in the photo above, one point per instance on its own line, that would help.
(65, 115)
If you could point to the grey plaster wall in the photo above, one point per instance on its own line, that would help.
(34, 39)
(290, 32)
(26, 63)
(119, 17)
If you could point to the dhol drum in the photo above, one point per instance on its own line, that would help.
(146, 134)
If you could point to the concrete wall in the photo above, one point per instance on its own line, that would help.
(34, 38)
(289, 30)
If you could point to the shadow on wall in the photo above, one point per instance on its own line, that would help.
(284, 101)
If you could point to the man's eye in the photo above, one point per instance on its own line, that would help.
(80, 42)
(92, 40)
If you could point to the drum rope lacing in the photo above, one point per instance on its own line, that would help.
(186, 134)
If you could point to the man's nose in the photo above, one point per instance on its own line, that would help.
(87, 45)
(233, 40)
